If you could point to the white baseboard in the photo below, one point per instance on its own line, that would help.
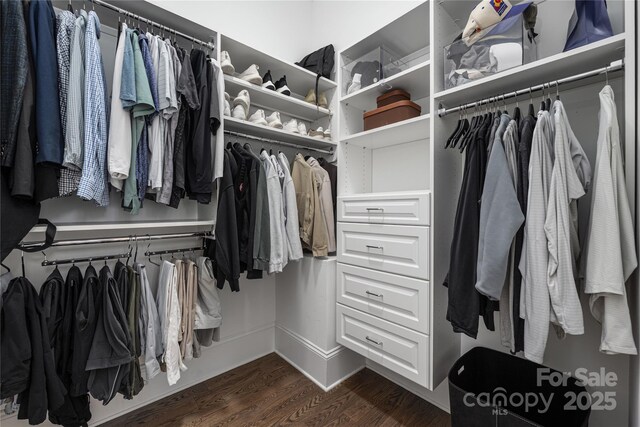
(439, 397)
(326, 368)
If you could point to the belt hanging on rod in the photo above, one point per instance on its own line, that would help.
(615, 66)
(153, 23)
(274, 141)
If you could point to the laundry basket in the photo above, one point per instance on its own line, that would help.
(491, 388)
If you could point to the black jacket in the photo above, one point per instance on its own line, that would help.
(227, 251)
(241, 166)
(332, 170)
(89, 301)
(465, 303)
(109, 357)
(28, 367)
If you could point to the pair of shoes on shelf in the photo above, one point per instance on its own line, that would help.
(280, 86)
(227, 104)
(311, 98)
(241, 104)
(260, 118)
(294, 126)
(320, 133)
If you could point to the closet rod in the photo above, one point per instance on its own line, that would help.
(172, 251)
(105, 258)
(153, 23)
(132, 239)
(273, 141)
(615, 66)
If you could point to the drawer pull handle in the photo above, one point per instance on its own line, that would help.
(375, 247)
(373, 294)
(373, 341)
(376, 209)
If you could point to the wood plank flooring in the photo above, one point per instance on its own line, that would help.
(270, 392)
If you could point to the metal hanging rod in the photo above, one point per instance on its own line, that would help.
(273, 141)
(104, 258)
(615, 66)
(131, 239)
(172, 251)
(153, 23)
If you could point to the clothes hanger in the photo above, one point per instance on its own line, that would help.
(543, 105)
(149, 258)
(532, 111)
(455, 131)
(7, 268)
(463, 128)
(558, 91)
(69, 6)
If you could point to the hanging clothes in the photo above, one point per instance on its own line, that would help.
(570, 179)
(241, 166)
(21, 177)
(261, 222)
(157, 124)
(208, 313)
(276, 253)
(500, 219)
(169, 313)
(134, 382)
(15, 68)
(93, 183)
(217, 109)
(294, 247)
(109, 358)
(323, 212)
(227, 250)
(465, 304)
(28, 366)
(188, 305)
(149, 324)
(307, 199)
(610, 249)
(198, 161)
(42, 29)
(119, 141)
(535, 306)
(189, 101)
(86, 318)
(74, 128)
(332, 170)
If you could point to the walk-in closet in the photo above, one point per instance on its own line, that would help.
(322, 213)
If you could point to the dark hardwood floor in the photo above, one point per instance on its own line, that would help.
(270, 392)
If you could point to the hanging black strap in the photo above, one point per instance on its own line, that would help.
(50, 234)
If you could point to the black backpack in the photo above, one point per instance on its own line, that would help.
(320, 62)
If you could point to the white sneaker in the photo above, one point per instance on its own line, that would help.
(355, 84)
(327, 133)
(318, 133)
(225, 63)
(227, 108)
(274, 120)
(239, 112)
(291, 126)
(251, 75)
(243, 99)
(302, 128)
(258, 118)
(227, 97)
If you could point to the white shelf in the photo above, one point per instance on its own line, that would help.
(274, 101)
(564, 64)
(397, 133)
(414, 80)
(299, 80)
(249, 128)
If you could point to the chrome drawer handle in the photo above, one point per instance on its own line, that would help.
(373, 341)
(376, 209)
(373, 294)
(375, 247)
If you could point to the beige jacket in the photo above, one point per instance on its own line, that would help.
(313, 231)
(325, 198)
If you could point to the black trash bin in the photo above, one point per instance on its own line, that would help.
(491, 388)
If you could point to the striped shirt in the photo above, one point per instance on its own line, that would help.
(93, 184)
(74, 129)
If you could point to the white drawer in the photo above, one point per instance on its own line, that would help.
(399, 349)
(392, 248)
(410, 208)
(399, 299)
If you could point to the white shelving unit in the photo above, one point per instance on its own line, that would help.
(397, 133)
(253, 129)
(416, 78)
(292, 106)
